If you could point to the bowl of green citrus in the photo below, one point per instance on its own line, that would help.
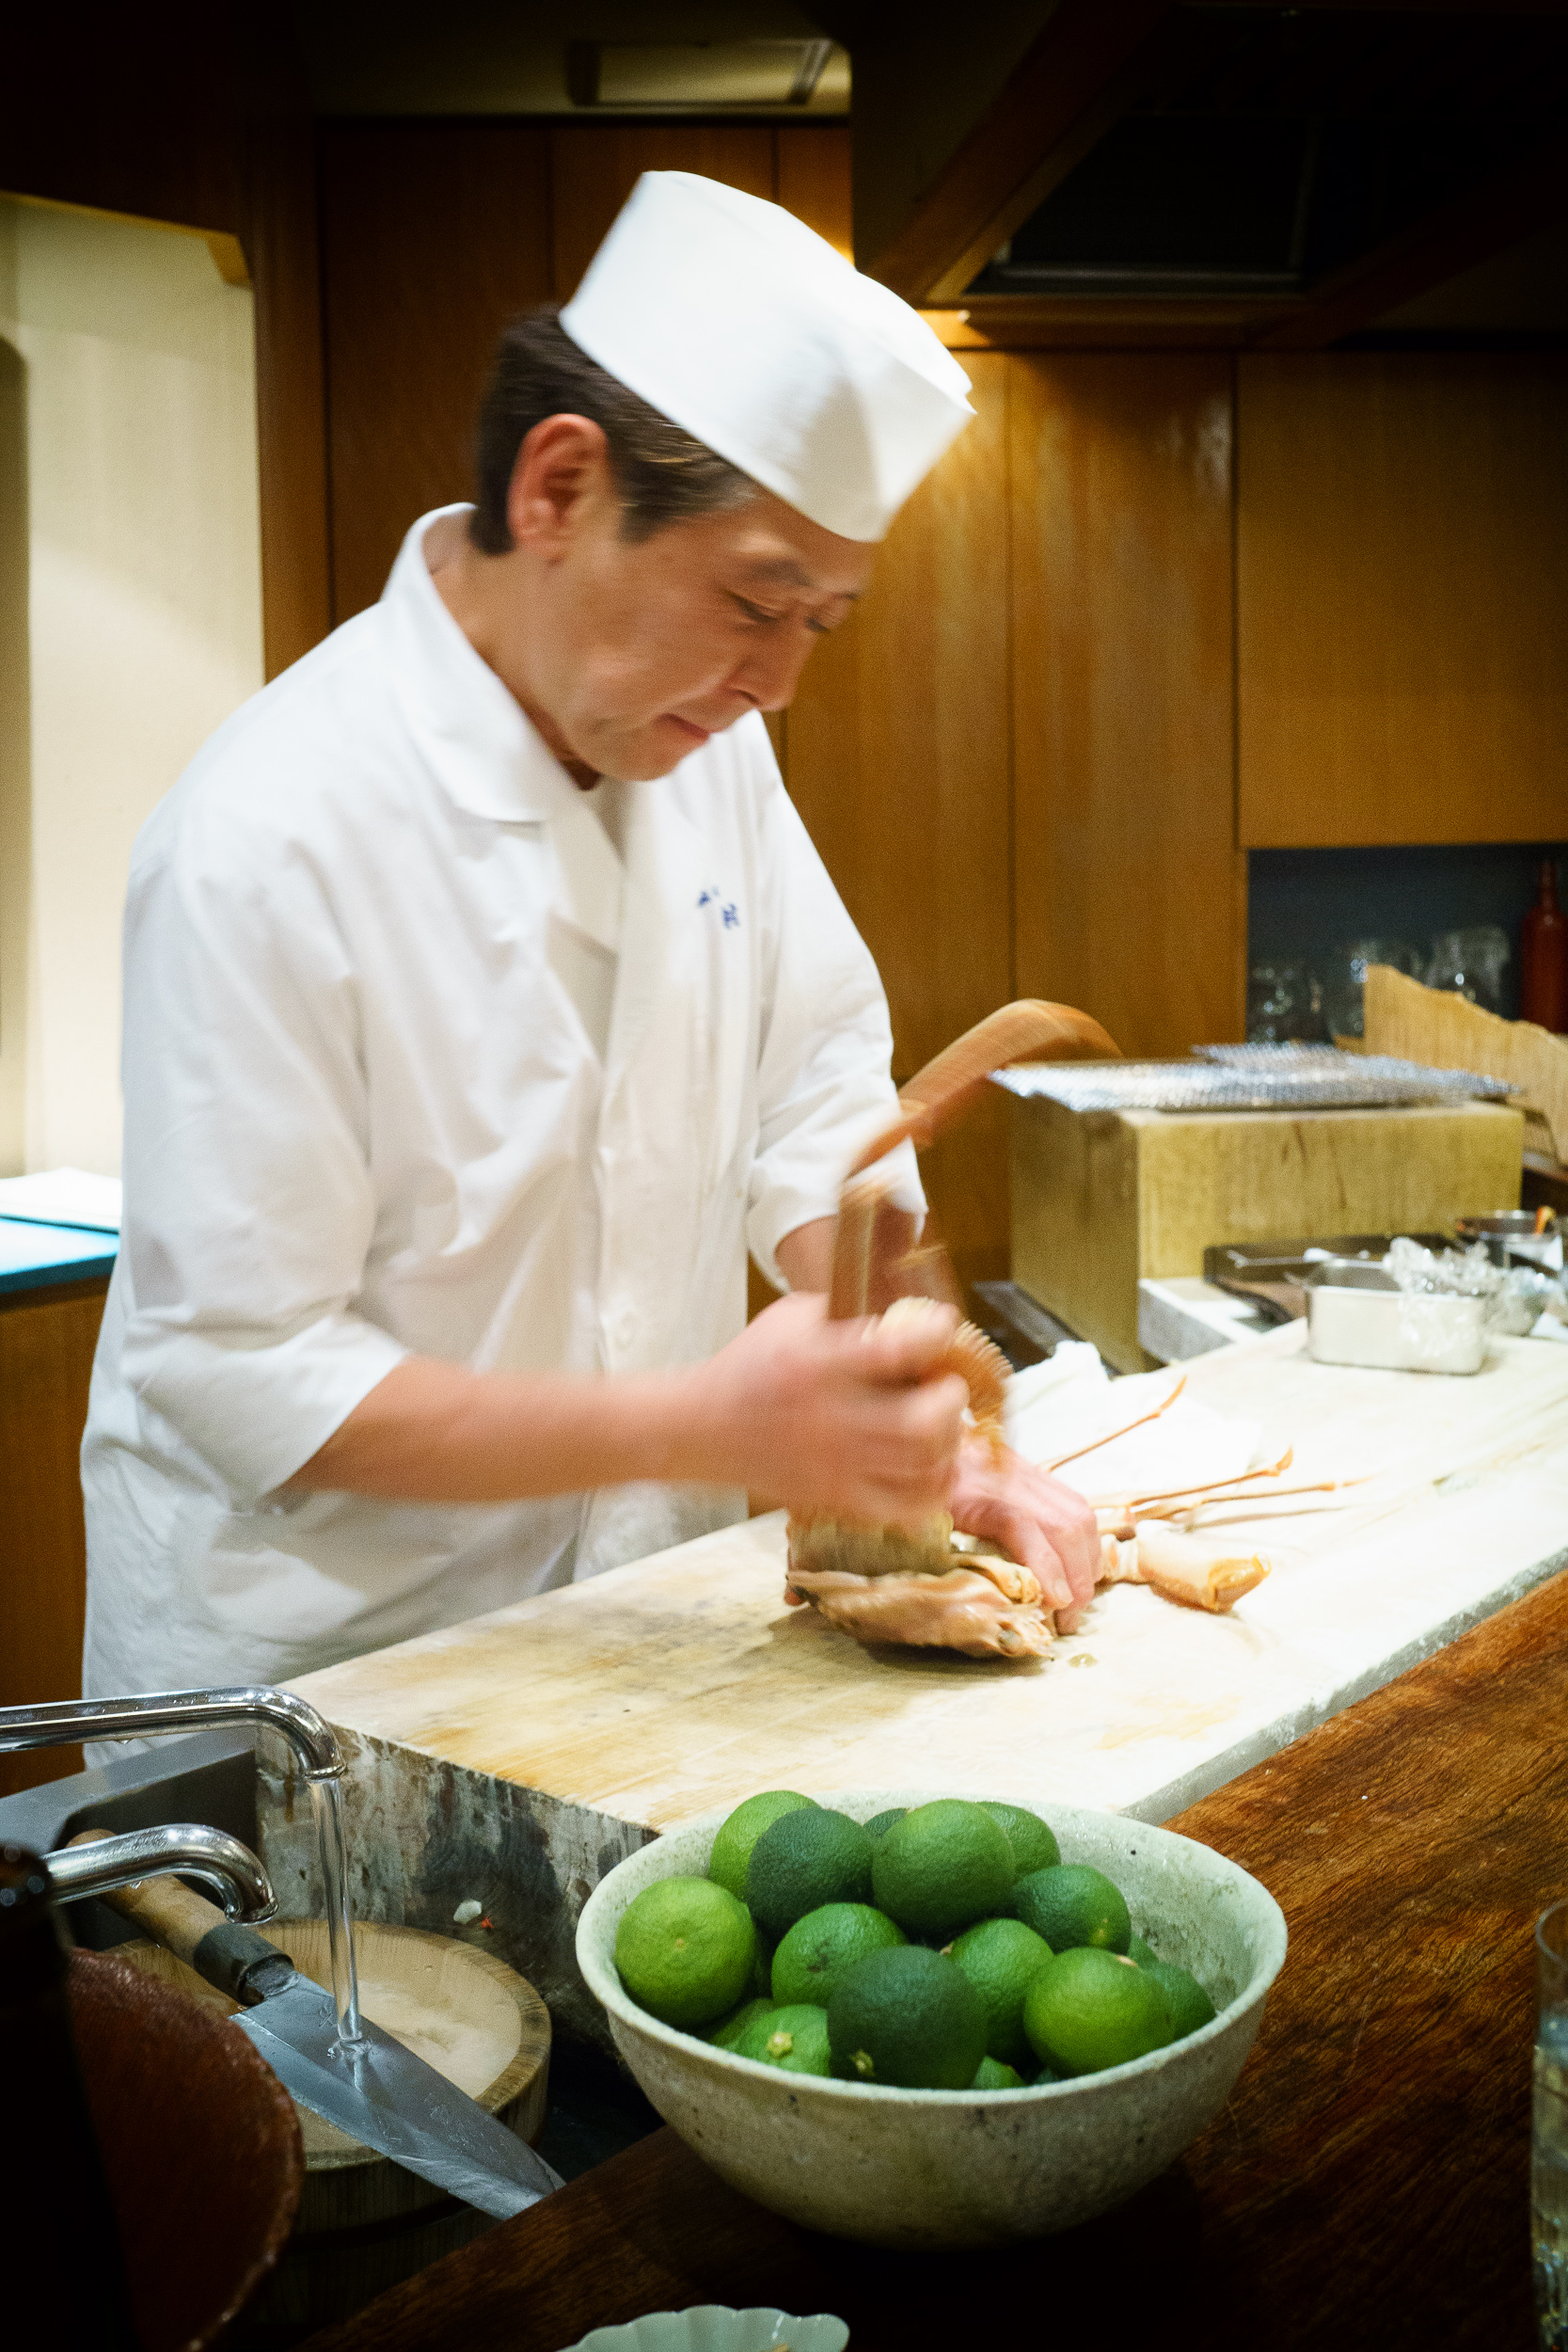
(927, 2020)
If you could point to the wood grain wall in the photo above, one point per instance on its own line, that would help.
(1129, 891)
(1404, 597)
(46, 1346)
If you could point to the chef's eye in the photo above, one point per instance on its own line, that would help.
(754, 611)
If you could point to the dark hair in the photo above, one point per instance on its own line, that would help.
(662, 473)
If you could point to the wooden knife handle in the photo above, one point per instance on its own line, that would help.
(195, 1930)
(162, 1908)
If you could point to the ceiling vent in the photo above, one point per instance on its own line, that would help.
(1267, 147)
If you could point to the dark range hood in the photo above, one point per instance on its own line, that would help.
(1264, 150)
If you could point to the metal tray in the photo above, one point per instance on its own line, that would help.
(1249, 1078)
(1358, 1314)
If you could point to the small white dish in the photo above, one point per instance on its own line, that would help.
(714, 2328)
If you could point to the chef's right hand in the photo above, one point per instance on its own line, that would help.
(846, 1420)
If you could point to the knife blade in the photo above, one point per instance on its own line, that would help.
(378, 2092)
(381, 2094)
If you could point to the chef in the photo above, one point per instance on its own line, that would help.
(485, 1002)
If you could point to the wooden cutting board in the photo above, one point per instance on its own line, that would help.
(560, 1732)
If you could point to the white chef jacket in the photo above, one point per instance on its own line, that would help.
(365, 1117)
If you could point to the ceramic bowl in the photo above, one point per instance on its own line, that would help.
(956, 2168)
(714, 2328)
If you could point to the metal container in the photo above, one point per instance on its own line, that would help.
(1358, 1314)
(1512, 1239)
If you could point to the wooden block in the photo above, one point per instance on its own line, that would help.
(1103, 1198)
(1432, 1025)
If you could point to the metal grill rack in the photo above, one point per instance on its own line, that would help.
(1250, 1078)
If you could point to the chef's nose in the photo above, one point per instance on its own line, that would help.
(767, 674)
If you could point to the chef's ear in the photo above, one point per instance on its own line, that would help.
(560, 475)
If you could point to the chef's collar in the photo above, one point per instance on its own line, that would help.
(480, 743)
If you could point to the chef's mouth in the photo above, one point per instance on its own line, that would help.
(698, 734)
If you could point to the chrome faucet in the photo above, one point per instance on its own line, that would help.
(102, 1864)
(309, 1735)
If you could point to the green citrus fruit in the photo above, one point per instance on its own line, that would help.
(803, 1860)
(1140, 1951)
(727, 2032)
(1047, 2075)
(943, 1866)
(1002, 1958)
(684, 1949)
(1189, 2004)
(883, 1823)
(732, 1847)
(819, 1947)
(1093, 2008)
(793, 2037)
(991, 2075)
(1071, 1904)
(908, 2017)
(1033, 1841)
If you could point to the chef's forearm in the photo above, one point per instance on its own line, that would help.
(431, 1432)
(806, 1256)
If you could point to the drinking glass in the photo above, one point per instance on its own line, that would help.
(1282, 1005)
(1342, 977)
(1549, 2130)
(1470, 963)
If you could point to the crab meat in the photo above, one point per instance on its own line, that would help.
(961, 1610)
(1186, 1571)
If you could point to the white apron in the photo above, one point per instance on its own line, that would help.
(364, 1118)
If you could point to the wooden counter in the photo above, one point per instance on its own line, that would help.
(515, 1758)
(52, 1284)
(1367, 2186)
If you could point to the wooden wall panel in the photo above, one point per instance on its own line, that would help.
(899, 762)
(813, 181)
(281, 233)
(46, 1348)
(434, 235)
(1403, 586)
(1130, 900)
(595, 165)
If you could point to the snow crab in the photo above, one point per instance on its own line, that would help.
(931, 1587)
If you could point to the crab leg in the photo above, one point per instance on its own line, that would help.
(1274, 1494)
(1173, 1494)
(1095, 1443)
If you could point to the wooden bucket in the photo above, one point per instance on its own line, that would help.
(364, 2223)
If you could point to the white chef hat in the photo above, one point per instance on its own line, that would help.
(742, 326)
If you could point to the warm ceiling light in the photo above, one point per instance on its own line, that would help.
(695, 76)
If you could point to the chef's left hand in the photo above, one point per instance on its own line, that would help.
(1036, 1518)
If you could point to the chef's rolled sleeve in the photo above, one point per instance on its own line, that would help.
(249, 1203)
(824, 1087)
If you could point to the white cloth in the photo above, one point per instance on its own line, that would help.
(363, 1117)
(738, 322)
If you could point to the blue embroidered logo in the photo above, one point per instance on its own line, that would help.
(728, 914)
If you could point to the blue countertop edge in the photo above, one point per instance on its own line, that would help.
(36, 1257)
